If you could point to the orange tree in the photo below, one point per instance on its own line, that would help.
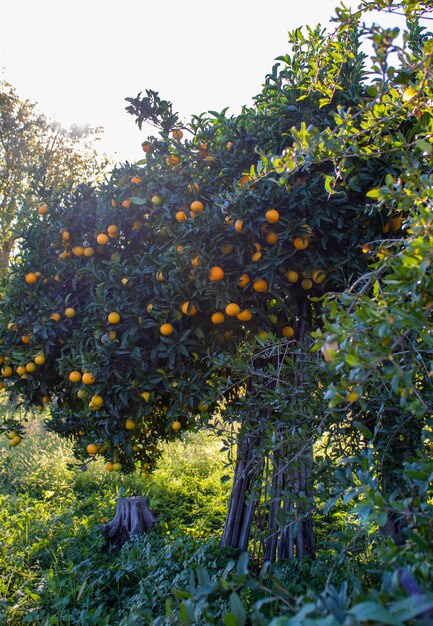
(128, 305)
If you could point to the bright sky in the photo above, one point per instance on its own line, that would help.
(80, 59)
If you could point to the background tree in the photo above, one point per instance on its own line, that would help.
(38, 158)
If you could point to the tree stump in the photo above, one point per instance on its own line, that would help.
(133, 517)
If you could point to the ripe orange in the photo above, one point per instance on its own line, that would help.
(109, 466)
(145, 395)
(318, 276)
(114, 317)
(160, 277)
(244, 316)
(40, 359)
(112, 335)
(92, 448)
(113, 203)
(42, 209)
(244, 180)
(232, 309)
(239, 224)
(66, 235)
(75, 376)
(21, 370)
(272, 238)
(301, 243)
(260, 285)
(97, 401)
(146, 146)
(126, 203)
(396, 222)
(88, 251)
(129, 425)
(102, 239)
(181, 216)
(292, 276)
(137, 225)
(173, 160)
(216, 273)
(256, 257)
(195, 262)
(31, 278)
(166, 329)
(176, 426)
(112, 230)
(31, 367)
(70, 312)
(55, 317)
(196, 206)
(288, 331)
(46, 399)
(78, 250)
(136, 180)
(25, 338)
(272, 216)
(188, 308)
(353, 396)
(243, 280)
(307, 283)
(217, 318)
(15, 441)
(7, 371)
(177, 134)
(88, 378)
(226, 249)
(229, 145)
(194, 188)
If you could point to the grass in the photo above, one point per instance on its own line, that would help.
(53, 565)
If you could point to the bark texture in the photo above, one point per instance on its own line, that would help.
(133, 517)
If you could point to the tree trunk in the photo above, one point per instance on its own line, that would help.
(5, 251)
(133, 517)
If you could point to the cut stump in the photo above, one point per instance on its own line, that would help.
(133, 517)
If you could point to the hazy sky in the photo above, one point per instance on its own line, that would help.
(80, 59)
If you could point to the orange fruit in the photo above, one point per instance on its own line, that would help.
(113, 203)
(145, 395)
(196, 206)
(243, 280)
(88, 251)
(117, 467)
(229, 145)
(352, 396)
(194, 188)
(15, 441)
(146, 146)
(40, 359)
(256, 257)
(92, 448)
(97, 401)
(217, 318)
(318, 276)
(177, 134)
(173, 160)
(78, 250)
(46, 399)
(226, 249)
(292, 276)
(129, 425)
(114, 317)
(272, 238)
(126, 203)
(25, 338)
(112, 335)
(160, 277)
(244, 316)
(31, 278)
(288, 331)
(75, 376)
(239, 224)
(396, 223)
(70, 312)
(88, 378)
(21, 369)
(156, 200)
(176, 425)
(112, 230)
(232, 309)
(7, 371)
(66, 235)
(216, 273)
(137, 225)
(260, 285)
(136, 180)
(109, 466)
(188, 308)
(31, 367)
(301, 243)
(307, 283)
(55, 317)
(102, 239)
(42, 209)
(166, 329)
(244, 180)
(195, 262)
(272, 216)
(181, 216)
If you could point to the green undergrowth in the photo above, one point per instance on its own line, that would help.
(54, 567)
